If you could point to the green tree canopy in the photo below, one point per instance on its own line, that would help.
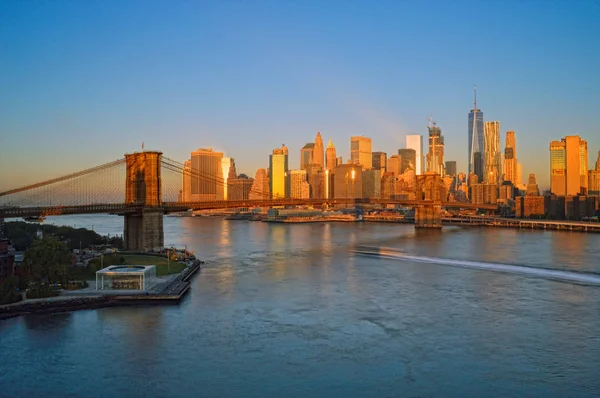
(48, 260)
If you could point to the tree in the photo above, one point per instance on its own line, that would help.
(48, 260)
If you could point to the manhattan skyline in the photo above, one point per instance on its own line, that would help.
(85, 83)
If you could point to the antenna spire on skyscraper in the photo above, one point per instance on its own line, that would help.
(475, 97)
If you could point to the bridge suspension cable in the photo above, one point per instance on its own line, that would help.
(101, 184)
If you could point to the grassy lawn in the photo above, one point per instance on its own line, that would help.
(89, 272)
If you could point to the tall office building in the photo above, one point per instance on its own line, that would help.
(510, 158)
(415, 142)
(408, 159)
(279, 173)
(331, 156)
(228, 165)
(394, 163)
(260, 186)
(451, 168)
(299, 187)
(207, 175)
(532, 187)
(568, 162)
(379, 161)
(583, 166)
(594, 178)
(519, 177)
(492, 170)
(347, 181)
(476, 157)
(306, 155)
(371, 183)
(435, 156)
(360, 152)
(239, 188)
(318, 154)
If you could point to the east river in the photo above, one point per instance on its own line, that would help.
(290, 311)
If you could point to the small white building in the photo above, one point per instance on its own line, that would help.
(126, 277)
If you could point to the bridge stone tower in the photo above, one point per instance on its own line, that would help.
(429, 188)
(143, 195)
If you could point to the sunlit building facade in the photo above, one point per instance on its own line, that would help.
(475, 134)
(510, 158)
(371, 182)
(394, 163)
(379, 161)
(347, 181)
(360, 152)
(229, 172)
(278, 177)
(435, 156)
(306, 155)
(260, 186)
(408, 159)
(568, 163)
(492, 172)
(331, 156)
(318, 153)
(207, 175)
(415, 142)
(299, 187)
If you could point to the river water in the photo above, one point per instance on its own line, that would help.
(289, 310)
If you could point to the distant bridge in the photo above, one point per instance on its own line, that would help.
(144, 186)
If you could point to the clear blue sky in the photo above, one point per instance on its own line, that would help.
(83, 82)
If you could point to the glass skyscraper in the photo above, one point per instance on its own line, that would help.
(415, 142)
(476, 162)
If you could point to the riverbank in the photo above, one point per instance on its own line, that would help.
(171, 292)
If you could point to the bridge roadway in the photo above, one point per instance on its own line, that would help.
(170, 207)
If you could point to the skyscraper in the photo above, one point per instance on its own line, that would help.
(558, 168)
(331, 156)
(306, 155)
(594, 179)
(408, 159)
(476, 145)
(360, 151)
(207, 175)
(299, 187)
(492, 172)
(415, 142)
(228, 165)
(583, 167)
(394, 163)
(435, 156)
(379, 161)
(260, 186)
(510, 158)
(532, 187)
(239, 188)
(318, 156)
(347, 181)
(451, 168)
(568, 161)
(278, 169)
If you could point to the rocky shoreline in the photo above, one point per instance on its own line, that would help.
(53, 306)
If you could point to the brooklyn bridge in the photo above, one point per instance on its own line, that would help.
(144, 186)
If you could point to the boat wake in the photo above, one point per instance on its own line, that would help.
(566, 276)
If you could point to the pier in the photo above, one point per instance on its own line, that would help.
(482, 221)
